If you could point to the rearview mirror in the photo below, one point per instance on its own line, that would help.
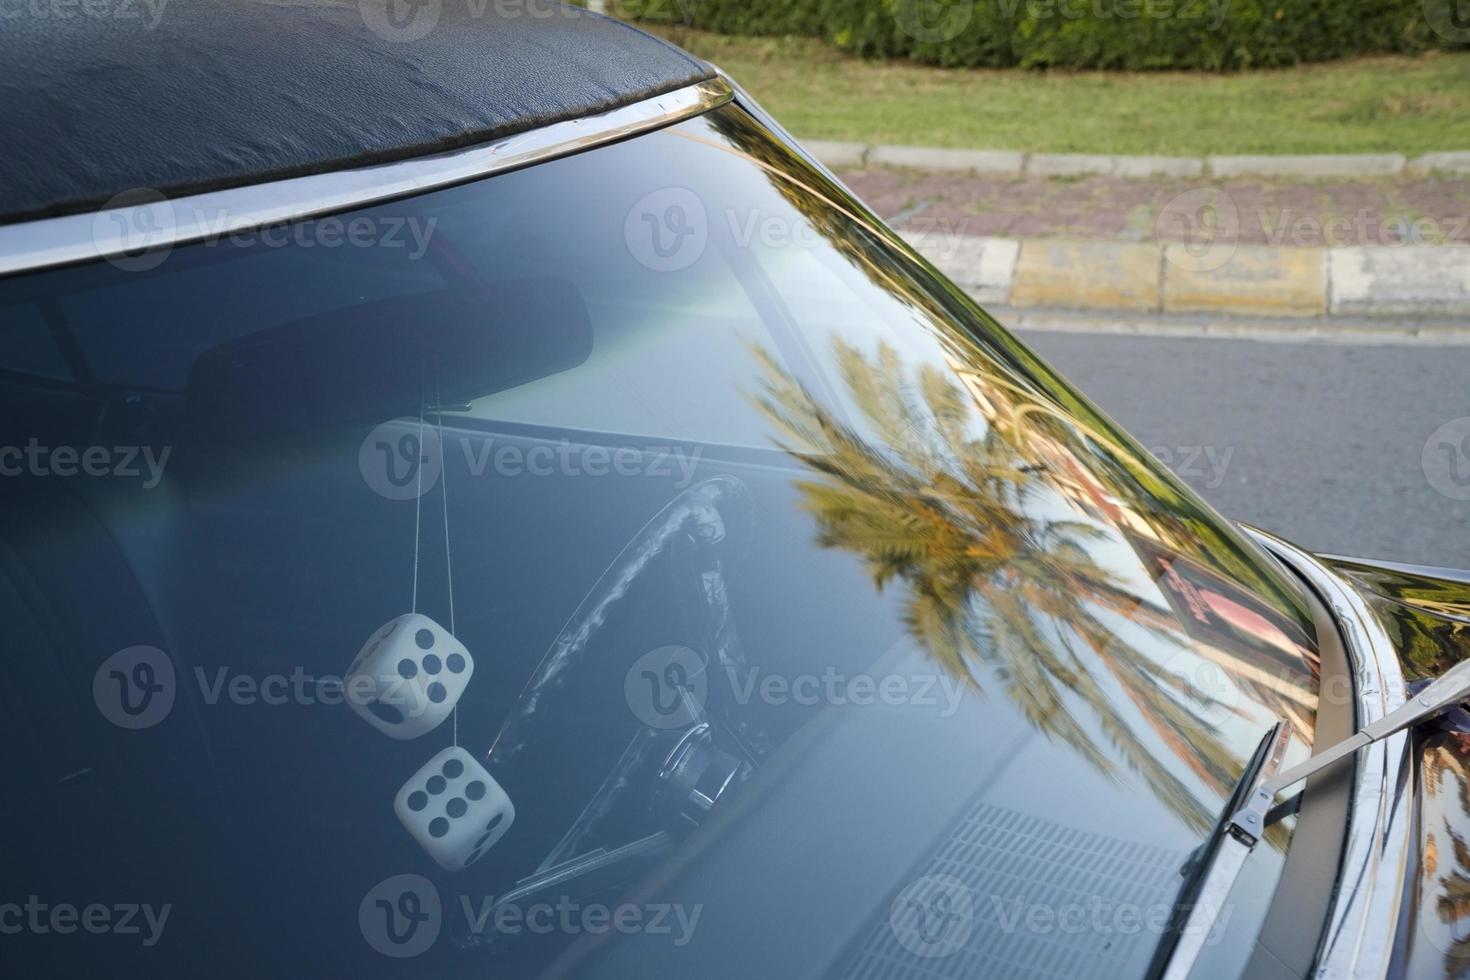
(387, 359)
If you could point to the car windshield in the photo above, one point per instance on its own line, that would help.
(638, 564)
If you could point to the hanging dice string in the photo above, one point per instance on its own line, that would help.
(418, 508)
(418, 497)
(475, 811)
(444, 494)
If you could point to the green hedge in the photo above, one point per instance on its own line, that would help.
(1124, 34)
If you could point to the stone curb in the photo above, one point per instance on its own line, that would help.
(1016, 164)
(1304, 284)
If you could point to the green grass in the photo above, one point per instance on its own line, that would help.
(1398, 104)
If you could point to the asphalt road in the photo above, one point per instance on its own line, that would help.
(1322, 443)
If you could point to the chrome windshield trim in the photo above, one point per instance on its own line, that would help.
(1359, 938)
(157, 223)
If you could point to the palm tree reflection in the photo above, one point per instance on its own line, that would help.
(1446, 878)
(995, 536)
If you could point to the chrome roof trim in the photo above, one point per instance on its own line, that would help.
(1359, 938)
(155, 223)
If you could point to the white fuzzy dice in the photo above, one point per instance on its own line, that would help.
(408, 677)
(454, 809)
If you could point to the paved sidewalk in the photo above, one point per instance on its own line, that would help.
(1174, 245)
(1253, 211)
(1015, 164)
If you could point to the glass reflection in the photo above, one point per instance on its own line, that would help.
(1005, 565)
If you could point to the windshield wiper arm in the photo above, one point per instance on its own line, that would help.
(1213, 872)
(1444, 692)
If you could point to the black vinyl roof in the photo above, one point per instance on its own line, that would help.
(184, 96)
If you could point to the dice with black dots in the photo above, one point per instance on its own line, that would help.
(408, 677)
(454, 809)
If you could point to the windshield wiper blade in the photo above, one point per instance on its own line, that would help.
(1212, 872)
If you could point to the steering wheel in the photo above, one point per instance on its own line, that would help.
(693, 764)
